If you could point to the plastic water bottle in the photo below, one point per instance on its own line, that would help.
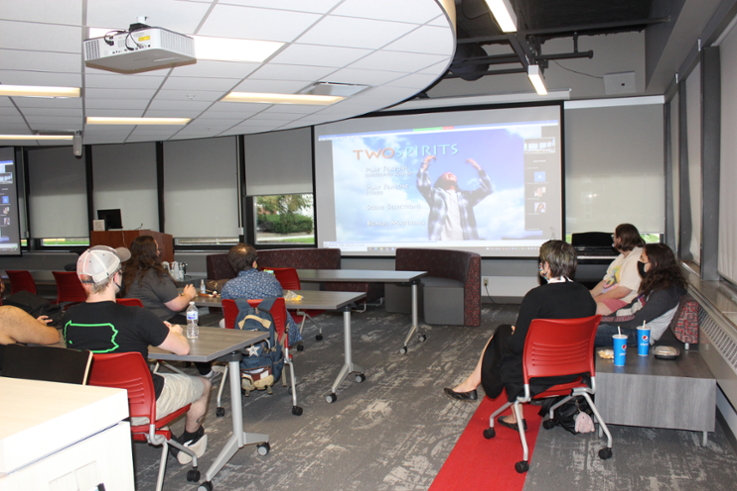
(193, 317)
(203, 290)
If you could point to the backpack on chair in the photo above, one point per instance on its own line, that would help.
(262, 362)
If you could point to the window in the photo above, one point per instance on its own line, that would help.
(284, 219)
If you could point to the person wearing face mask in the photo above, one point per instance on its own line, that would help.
(621, 281)
(656, 303)
(500, 364)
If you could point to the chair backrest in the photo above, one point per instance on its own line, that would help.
(278, 314)
(68, 287)
(218, 267)
(49, 363)
(287, 278)
(21, 280)
(127, 371)
(131, 302)
(556, 347)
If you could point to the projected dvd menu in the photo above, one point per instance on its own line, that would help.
(9, 226)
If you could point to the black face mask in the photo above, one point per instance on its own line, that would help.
(641, 268)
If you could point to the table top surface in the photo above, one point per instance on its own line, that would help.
(689, 364)
(311, 299)
(359, 275)
(212, 344)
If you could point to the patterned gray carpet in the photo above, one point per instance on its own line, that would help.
(395, 430)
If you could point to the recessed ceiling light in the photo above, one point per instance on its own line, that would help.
(135, 121)
(221, 49)
(38, 91)
(266, 98)
(36, 137)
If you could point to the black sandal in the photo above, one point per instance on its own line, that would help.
(511, 426)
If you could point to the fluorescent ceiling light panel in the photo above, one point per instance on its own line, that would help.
(221, 49)
(36, 137)
(224, 49)
(536, 77)
(38, 91)
(266, 98)
(504, 14)
(137, 121)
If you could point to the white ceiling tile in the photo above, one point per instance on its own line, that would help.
(394, 60)
(355, 33)
(200, 83)
(440, 21)
(8, 111)
(72, 121)
(426, 39)
(264, 116)
(119, 113)
(181, 17)
(223, 116)
(115, 104)
(28, 77)
(292, 72)
(271, 86)
(109, 80)
(217, 69)
(17, 35)
(53, 111)
(13, 126)
(415, 80)
(315, 6)
(292, 109)
(179, 113)
(256, 23)
(336, 56)
(413, 11)
(189, 95)
(104, 93)
(46, 11)
(438, 69)
(179, 105)
(43, 61)
(364, 77)
(23, 102)
(238, 107)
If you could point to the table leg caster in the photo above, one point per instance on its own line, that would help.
(205, 486)
(263, 449)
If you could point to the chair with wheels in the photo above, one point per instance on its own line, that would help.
(68, 288)
(289, 280)
(129, 371)
(21, 280)
(557, 348)
(130, 302)
(278, 314)
(48, 363)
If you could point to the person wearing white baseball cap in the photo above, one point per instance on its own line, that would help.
(103, 326)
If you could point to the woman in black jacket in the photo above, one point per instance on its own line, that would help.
(659, 294)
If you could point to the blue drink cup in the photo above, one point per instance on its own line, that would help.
(620, 349)
(643, 341)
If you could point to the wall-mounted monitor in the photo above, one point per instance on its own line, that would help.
(9, 214)
(113, 220)
(488, 181)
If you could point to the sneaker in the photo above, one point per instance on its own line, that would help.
(198, 445)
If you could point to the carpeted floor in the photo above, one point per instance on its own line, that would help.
(395, 430)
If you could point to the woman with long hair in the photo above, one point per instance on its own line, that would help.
(145, 278)
(656, 303)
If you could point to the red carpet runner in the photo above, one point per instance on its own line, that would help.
(476, 463)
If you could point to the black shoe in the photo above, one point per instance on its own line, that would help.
(469, 396)
(511, 426)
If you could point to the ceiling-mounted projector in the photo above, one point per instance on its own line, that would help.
(141, 49)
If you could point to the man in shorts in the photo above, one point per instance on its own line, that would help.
(103, 326)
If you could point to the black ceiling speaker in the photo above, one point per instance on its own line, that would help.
(463, 63)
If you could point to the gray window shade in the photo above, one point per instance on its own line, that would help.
(693, 132)
(125, 177)
(614, 165)
(727, 265)
(279, 162)
(58, 193)
(200, 188)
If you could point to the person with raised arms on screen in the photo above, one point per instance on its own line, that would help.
(451, 208)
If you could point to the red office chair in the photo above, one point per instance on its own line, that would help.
(68, 288)
(279, 315)
(21, 280)
(130, 302)
(557, 347)
(289, 280)
(129, 371)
